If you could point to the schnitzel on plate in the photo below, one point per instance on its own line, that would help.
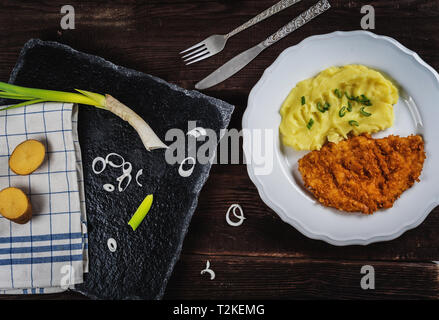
(363, 174)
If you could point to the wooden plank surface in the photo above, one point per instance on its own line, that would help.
(264, 258)
(241, 277)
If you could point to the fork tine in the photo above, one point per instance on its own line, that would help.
(194, 52)
(202, 53)
(193, 47)
(200, 58)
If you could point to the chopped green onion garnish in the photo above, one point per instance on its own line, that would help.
(303, 100)
(342, 112)
(353, 123)
(364, 100)
(320, 107)
(350, 97)
(338, 93)
(349, 106)
(310, 123)
(364, 113)
(141, 212)
(326, 106)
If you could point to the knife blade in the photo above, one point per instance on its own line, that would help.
(240, 61)
(230, 68)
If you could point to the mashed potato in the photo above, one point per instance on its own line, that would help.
(338, 101)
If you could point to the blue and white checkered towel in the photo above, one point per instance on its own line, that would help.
(49, 253)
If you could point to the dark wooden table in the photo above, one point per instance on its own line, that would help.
(264, 258)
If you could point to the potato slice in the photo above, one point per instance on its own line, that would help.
(15, 205)
(27, 157)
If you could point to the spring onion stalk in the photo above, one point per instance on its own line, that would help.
(141, 212)
(106, 102)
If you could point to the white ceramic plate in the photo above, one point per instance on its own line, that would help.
(282, 189)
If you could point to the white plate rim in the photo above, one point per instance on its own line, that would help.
(262, 189)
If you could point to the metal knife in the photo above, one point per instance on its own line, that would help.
(240, 61)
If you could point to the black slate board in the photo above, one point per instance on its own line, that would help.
(144, 260)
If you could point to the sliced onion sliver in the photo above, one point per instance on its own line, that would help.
(108, 187)
(139, 173)
(95, 161)
(112, 244)
(197, 132)
(121, 179)
(208, 270)
(107, 160)
(240, 216)
(186, 173)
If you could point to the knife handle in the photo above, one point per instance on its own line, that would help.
(281, 5)
(296, 23)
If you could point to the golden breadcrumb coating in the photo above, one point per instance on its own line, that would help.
(363, 174)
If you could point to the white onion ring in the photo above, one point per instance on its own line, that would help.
(197, 132)
(240, 216)
(126, 168)
(95, 161)
(107, 160)
(139, 173)
(112, 244)
(208, 270)
(108, 187)
(186, 173)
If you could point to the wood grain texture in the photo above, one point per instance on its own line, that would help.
(265, 258)
(238, 277)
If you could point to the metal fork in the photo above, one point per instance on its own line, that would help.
(216, 43)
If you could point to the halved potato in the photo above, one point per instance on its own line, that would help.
(27, 157)
(15, 205)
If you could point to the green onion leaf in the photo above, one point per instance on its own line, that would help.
(364, 113)
(303, 100)
(141, 212)
(353, 123)
(310, 123)
(338, 93)
(99, 98)
(7, 95)
(349, 106)
(326, 106)
(342, 112)
(22, 104)
(49, 95)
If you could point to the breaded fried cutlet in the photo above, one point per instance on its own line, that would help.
(362, 174)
